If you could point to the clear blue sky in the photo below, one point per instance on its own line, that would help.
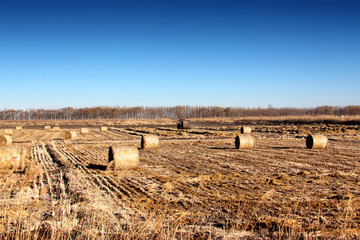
(178, 52)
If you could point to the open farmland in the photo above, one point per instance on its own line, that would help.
(195, 185)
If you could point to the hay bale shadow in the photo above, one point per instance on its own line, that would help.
(96, 167)
(222, 148)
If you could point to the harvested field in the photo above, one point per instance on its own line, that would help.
(196, 185)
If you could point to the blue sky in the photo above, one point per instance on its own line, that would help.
(164, 53)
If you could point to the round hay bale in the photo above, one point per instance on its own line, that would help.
(56, 129)
(316, 141)
(149, 141)
(122, 157)
(245, 130)
(12, 157)
(84, 131)
(70, 135)
(19, 128)
(9, 131)
(103, 129)
(47, 128)
(5, 140)
(244, 142)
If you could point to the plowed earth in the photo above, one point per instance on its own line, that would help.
(195, 185)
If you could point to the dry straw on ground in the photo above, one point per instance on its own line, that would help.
(316, 141)
(149, 141)
(84, 131)
(244, 142)
(122, 157)
(9, 131)
(245, 130)
(103, 129)
(70, 135)
(12, 157)
(278, 191)
(5, 140)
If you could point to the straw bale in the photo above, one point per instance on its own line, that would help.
(19, 128)
(149, 141)
(70, 135)
(56, 129)
(103, 129)
(244, 141)
(47, 128)
(316, 141)
(123, 157)
(84, 131)
(245, 130)
(5, 140)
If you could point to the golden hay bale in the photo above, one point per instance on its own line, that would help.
(69, 135)
(9, 131)
(84, 131)
(149, 141)
(103, 129)
(5, 140)
(47, 128)
(56, 129)
(316, 141)
(245, 130)
(244, 142)
(19, 128)
(12, 157)
(121, 157)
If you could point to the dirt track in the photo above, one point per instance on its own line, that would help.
(195, 183)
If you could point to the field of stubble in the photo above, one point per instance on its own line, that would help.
(196, 185)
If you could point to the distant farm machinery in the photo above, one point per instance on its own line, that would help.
(183, 124)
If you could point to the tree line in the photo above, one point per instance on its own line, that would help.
(103, 112)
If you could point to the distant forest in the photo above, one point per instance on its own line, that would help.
(69, 113)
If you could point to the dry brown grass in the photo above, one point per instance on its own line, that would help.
(12, 157)
(281, 119)
(196, 186)
(9, 132)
